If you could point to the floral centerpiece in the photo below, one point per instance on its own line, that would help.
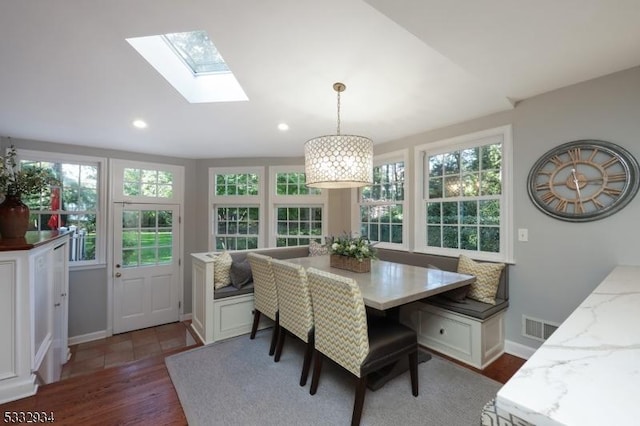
(14, 183)
(351, 252)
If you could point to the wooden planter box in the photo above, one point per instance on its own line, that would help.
(350, 263)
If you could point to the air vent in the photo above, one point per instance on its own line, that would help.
(538, 329)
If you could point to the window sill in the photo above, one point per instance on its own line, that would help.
(73, 268)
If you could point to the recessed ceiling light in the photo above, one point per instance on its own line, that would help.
(140, 124)
(283, 127)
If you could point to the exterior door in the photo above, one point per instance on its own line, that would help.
(146, 265)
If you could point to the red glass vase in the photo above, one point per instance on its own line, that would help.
(14, 218)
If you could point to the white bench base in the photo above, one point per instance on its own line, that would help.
(470, 340)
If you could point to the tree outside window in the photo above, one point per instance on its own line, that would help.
(382, 204)
(464, 195)
(73, 206)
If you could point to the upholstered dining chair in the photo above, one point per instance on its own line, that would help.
(295, 311)
(343, 335)
(265, 295)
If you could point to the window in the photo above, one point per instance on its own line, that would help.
(147, 237)
(296, 226)
(382, 205)
(77, 205)
(299, 211)
(141, 182)
(197, 51)
(236, 200)
(147, 183)
(192, 64)
(465, 203)
(237, 228)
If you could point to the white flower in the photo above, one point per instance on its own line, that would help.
(365, 249)
(352, 247)
(334, 246)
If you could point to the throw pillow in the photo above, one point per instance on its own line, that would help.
(487, 278)
(221, 270)
(240, 274)
(458, 295)
(317, 249)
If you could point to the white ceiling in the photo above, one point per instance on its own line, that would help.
(68, 75)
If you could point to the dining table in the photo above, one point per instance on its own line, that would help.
(387, 287)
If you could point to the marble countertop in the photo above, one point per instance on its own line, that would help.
(588, 371)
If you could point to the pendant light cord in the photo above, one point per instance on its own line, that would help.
(338, 130)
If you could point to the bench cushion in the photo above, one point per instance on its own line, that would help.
(472, 307)
(230, 291)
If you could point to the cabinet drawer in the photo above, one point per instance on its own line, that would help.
(447, 332)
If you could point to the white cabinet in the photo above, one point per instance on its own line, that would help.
(471, 340)
(34, 282)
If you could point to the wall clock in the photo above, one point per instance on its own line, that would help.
(583, 180)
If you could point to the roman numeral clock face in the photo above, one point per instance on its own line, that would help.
(584, 180)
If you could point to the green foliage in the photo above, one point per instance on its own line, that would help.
(28, 180)
(351, 246)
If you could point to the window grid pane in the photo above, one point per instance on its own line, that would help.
(297, 226)
(381, 207)
(464, 190)
(147, 183)
(234, 184)
(73, 206)
(236, 227)
(147, 237)
(293, 183)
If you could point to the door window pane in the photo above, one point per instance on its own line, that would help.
(146, 243)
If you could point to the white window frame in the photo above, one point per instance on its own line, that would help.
(118, 166)
(321, 200)
(422, 152)
(356, 200)
(101, 219)
(216, 201)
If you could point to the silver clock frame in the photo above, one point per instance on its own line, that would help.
(629, 190)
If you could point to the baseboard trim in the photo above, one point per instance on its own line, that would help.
(186, 317)
(518, 349)
(89, 337)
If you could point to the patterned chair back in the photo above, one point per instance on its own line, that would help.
(340, 319)
(294, 299)
(264, 284)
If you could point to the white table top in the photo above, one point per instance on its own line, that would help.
(588, 371)
(392, 284)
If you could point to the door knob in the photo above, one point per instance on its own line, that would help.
(118, 274)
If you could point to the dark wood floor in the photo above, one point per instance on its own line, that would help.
(141, 392)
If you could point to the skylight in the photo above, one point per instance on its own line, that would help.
(190, 62)
(197, 51)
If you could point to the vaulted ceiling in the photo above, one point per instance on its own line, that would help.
(68, 75)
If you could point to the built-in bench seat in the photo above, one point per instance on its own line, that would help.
(230, 291)
(472, 331)
(227, 312)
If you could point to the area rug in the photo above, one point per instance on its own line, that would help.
(236, 382)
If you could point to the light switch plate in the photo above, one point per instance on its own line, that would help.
(523, 234)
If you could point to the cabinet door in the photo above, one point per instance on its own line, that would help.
(60, 310)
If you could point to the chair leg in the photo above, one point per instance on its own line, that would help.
(317, 366)
(307, 362)
(274, 336)
(254, 327)
(281, 336)
(361, 389)
(413, 369)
